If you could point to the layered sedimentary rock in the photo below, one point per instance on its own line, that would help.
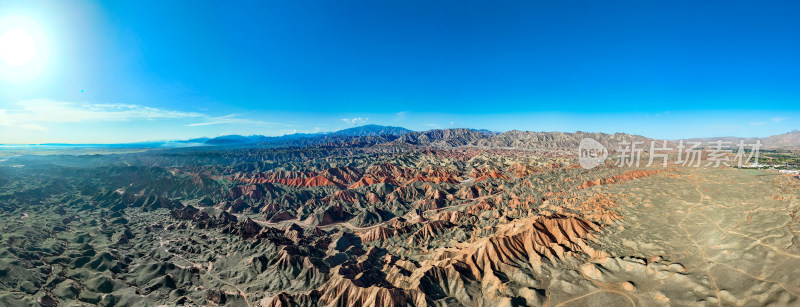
(455, 217)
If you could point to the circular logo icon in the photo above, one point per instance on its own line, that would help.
(591, 153)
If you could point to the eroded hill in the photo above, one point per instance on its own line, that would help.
(425, 223)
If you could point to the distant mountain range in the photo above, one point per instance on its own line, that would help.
(527, 140)
(370, 135)
(789, 140)
(367, 130)
(443, 138)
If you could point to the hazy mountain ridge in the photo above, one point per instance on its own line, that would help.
(458, 137)
(556, 140)
(366, 130)
(370, 135)
(372, 130)
(789, 140)
(441, 138)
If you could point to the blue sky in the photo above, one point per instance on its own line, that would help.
(126, 71)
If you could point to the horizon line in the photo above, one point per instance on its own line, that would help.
(334, 131)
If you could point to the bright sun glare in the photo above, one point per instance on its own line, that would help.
(17, 47)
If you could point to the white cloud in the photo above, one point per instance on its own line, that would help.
(772, 120)
(32, 127)
(355, 121)
(65, 112)
(400, 116)
(452, 123)
(433, 125)
(36, 114)
(229, 119)
(32, 114)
